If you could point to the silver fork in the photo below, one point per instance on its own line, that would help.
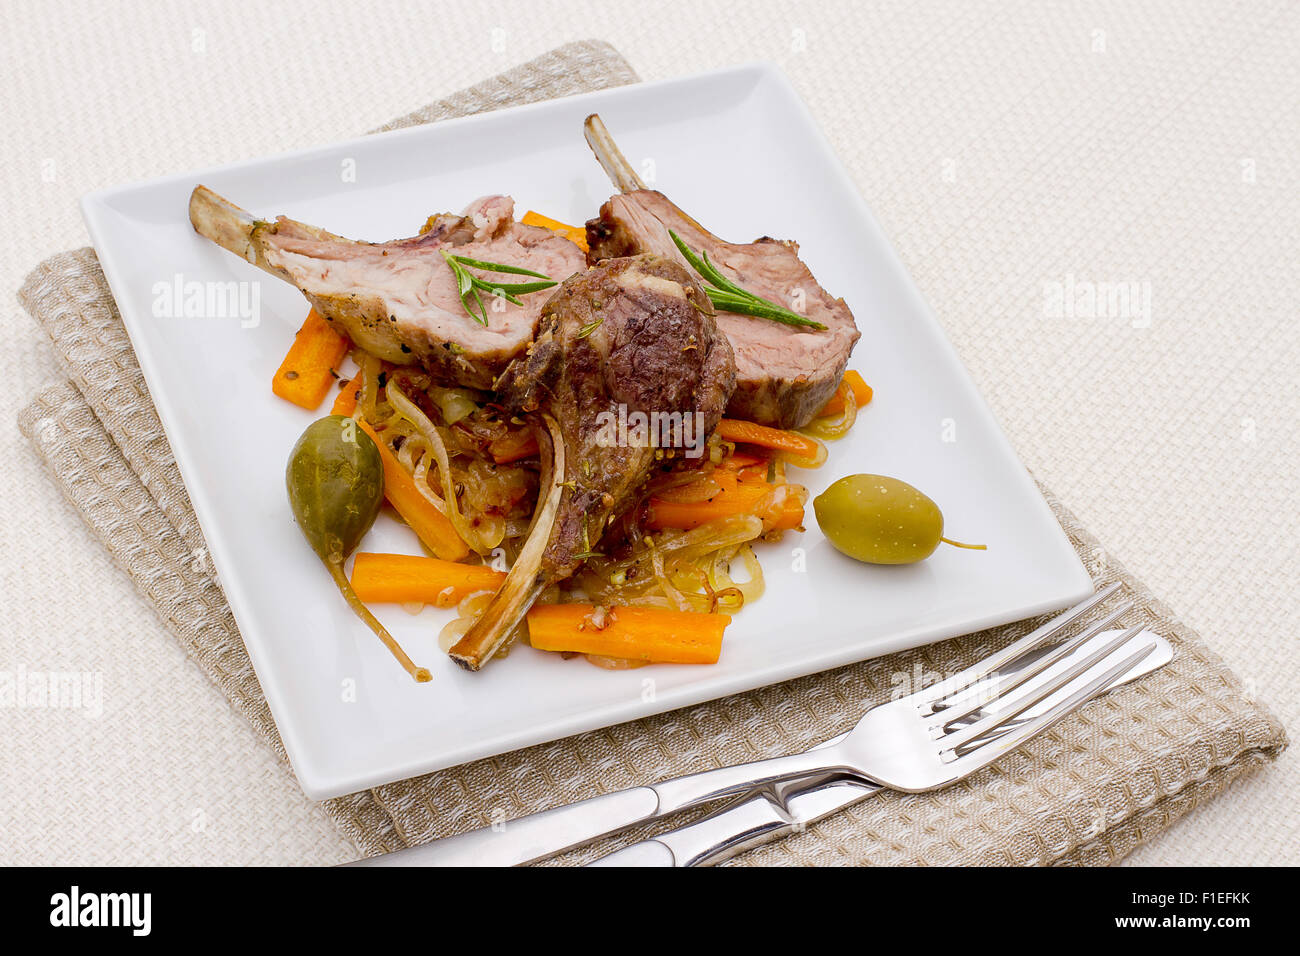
(761, 816)
(920, 742)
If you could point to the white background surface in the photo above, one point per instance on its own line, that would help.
(1001, 146)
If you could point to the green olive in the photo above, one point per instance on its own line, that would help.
(880, 520)
(335, 479)
(336, 485)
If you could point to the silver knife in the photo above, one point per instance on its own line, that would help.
(760, 817)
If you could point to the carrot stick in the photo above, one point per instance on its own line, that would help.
(789, 516)
(861, 390)
(861, 393)
(575, 234)
(630, 633)
(739, 499)
(746, 466)
(514, 446)
(431, 525)
(701, 488)
(413, 579)
(346, 401)
(308, 370)
(683, 508)
(740, 460)
(798, 448)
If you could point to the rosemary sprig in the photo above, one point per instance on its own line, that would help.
(587, 551)
(470, 287)
(729, 297)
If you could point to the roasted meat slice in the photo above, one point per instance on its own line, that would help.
(632, 336)
(399, 300)
(784, 374)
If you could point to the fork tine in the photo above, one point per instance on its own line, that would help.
(950, 742)
(984, 755)
(1162, 649)
(979, 697)
(999, 661)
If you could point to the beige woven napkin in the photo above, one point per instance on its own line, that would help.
(1092, 789)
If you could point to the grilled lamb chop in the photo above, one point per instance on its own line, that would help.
(399, 300)
(633, 332)
(784, 374)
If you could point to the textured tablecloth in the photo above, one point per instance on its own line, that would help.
(1264, 460)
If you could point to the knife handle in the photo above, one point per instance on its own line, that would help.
(745, 823)
(682, 793)
(533, 837)
(735, 828)
(540, 835)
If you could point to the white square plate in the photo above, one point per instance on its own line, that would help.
(350, 718)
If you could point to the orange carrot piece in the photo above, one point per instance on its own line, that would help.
(792, 443)
(746, 466)
(350, 394)
(722, 494)
(741, 499)
(649, 634)
(308, 370)
(701, 488)
(740, 460)
(432, 526)
(345, 403)
(789, 516)
(575, 234)
(678, 508)
(514, 446)
(753, 472)
(861, 393)
(414, 579)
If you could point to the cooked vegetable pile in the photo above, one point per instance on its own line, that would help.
(658, 583)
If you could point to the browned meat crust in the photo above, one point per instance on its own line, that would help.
(632, 335)
(650, 346)
(784, 375)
